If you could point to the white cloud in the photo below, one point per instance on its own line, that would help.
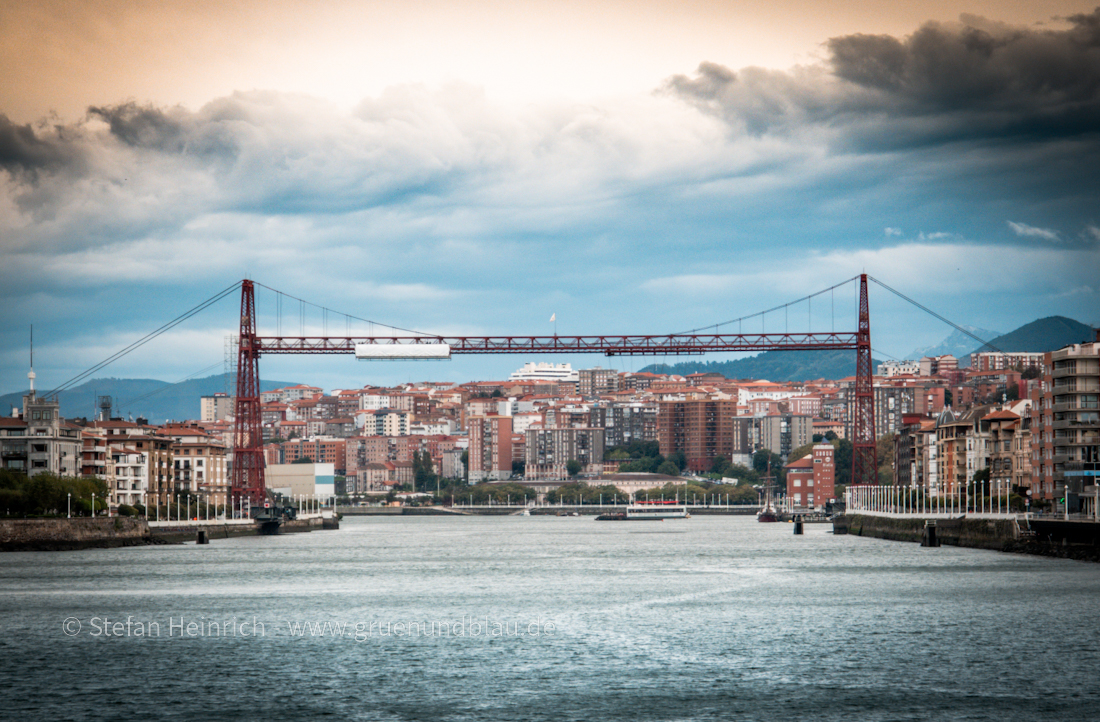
(892, 232)
(937, 236)
(1026, 231)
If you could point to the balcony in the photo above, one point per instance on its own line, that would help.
(1061, 371)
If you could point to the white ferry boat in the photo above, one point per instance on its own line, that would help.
(648, 511)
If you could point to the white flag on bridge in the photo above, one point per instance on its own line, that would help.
(552, 317)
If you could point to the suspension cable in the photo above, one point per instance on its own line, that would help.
(770, 310)
(303, 303)
(145, 339)
(899, 294)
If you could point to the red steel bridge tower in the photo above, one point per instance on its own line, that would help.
(247, 477)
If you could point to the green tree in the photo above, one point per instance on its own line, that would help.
(720, 466)
(760, 463)
(743, 474)
(678, 458)
(573, 467)
(981, 482)
(519, 467)
(800, 452)
(303, 460)
(842, 459)
(424, 477)
(669, 468)
(884, 459)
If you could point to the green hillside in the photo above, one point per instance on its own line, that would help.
(1046, 334)
(773, 366)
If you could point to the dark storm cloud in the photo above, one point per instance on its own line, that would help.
(23, 149)
(963, 81)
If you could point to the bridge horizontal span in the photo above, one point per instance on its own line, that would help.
(608, 345)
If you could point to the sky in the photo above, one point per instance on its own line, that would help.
(473, 168)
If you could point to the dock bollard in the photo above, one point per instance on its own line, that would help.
(201, 537)
(798, 524)
(930, 539)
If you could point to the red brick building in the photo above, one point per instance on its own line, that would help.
(811, 481)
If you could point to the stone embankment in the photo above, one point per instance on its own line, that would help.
(66, 534)
(1046, 537)
(107, 532)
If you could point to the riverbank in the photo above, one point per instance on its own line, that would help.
(1078, 540)
(109, 532)
(68, 534)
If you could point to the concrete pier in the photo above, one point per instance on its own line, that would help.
(1046, 537)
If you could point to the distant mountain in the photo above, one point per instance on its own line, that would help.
(773, 366)
(155, 400)
(1046, 334)
(958, 344)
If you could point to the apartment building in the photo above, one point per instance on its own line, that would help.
(1065, 424)
(320, 450)
(200, 464)
(218, 407)
(624, 423)
(597, 381)
(701, 429)
(961, 447)
(490, 439)
(550, 450)
(156, 447)
(998, 361)
(1009, 450)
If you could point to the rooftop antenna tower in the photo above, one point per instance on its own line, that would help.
(30, 375)
(105, 403)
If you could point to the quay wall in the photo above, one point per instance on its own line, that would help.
(121, 531)
(187, 533)
(1047, 537)
(68, 534)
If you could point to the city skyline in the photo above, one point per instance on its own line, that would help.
(641, 168)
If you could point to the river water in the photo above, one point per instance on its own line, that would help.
(546, 618)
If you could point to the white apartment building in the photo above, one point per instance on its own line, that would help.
(129, 481)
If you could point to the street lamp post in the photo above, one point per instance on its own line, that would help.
(69, 506)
